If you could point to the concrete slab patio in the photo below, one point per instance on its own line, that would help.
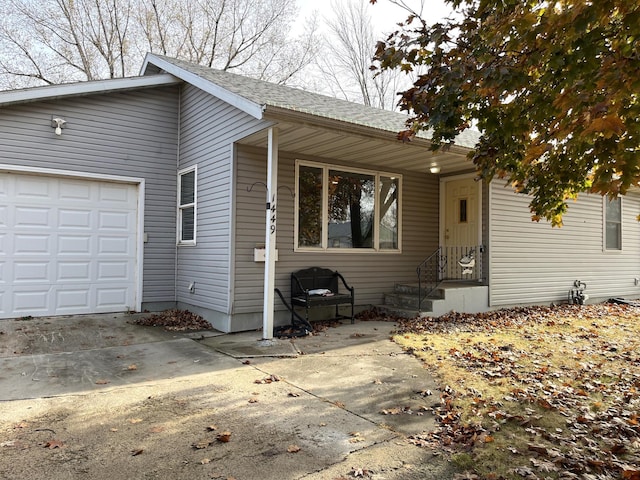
(127, 402)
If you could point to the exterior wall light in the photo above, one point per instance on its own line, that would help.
(58, 123)
(434, 168)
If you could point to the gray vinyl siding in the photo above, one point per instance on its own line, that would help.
(208, 130)
(371, 273)
(131, 134)
(535, 263)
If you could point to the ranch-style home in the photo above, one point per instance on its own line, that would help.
(199, 189)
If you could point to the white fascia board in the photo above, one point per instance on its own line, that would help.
(238, 101)
(8, 168)
(84, 88)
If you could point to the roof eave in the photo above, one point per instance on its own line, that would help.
(84, 88)
(283, 114)
(247, 106)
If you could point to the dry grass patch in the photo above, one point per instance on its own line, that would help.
(536, 392)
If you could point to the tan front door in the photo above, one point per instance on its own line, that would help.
(461, 225)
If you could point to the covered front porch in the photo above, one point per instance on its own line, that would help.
(439, 216)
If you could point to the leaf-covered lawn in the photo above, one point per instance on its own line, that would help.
(535, 393)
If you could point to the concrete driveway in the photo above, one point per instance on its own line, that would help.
(333, 405)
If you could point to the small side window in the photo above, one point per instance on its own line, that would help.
(462, 214)
(613, 223)
(187, 185)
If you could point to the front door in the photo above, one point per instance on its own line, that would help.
(461, 228)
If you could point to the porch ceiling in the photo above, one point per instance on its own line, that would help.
(381, 149)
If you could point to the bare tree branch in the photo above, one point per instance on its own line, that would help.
(70, 40)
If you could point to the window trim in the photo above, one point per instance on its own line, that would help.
(324, 247)
(605, 221)
(180, 207)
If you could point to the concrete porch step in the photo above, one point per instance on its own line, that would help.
(414, 289)
(469, 297)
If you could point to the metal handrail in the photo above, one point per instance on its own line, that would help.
(430, 273)
(451, 263)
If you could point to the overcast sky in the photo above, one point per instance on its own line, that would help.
(384, 15)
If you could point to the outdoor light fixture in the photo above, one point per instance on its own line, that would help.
(58, 123)
(434, 168)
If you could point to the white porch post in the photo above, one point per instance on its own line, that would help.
(270, 235)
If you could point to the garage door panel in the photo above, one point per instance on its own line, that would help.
(76, 245)
(77, 299)
(116, 194)
(75, 190)
(118, 221)
(33, 188)
(111, 297)
(113, 270)
(31, 272)
(32, 244)
(74, 219)
(114, 245)
(30, 300)
(66, 246)
(74, 271)
(33, 217)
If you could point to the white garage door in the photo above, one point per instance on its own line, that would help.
(66, 246)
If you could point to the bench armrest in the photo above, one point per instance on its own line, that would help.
(299, 285)
(344, 282)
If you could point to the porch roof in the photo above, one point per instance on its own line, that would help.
(319, 125)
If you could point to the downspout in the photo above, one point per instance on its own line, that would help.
(270, 234)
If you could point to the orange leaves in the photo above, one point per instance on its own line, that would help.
(51, 444)
(266, 380)
(561, 380)
(607, 126)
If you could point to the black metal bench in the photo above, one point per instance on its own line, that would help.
(319, 287)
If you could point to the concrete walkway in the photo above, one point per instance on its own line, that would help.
(347, 398)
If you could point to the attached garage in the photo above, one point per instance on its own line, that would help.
(68, 245)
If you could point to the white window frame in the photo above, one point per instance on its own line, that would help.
(325, 167)
(605, 220)
(182, 207)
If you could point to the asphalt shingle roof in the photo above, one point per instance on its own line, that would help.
(273, 95)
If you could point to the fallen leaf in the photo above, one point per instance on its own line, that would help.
(156, 429)
(135, 453)
(113, 429)
(204, 443)
(247, 362)
(293, 449)
(377, 381)
(132, 367)
(253, 400)
(9, 443)
(134, 420)
(204, 461)
(224, 437)
(360, 472)
(51, 444)
(102, 381)
(211, 428)
(270, 379)
(22, 424)
(293, 394)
